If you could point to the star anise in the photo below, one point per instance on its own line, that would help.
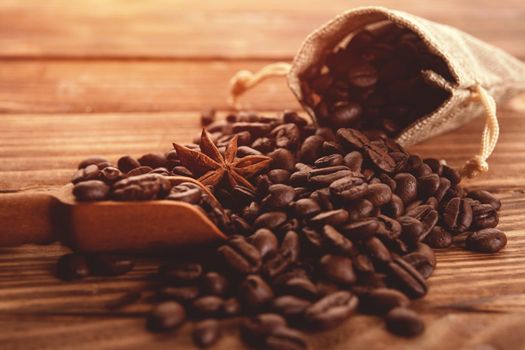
(212, 167)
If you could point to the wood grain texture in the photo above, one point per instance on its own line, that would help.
(114, 77)
(166, 28)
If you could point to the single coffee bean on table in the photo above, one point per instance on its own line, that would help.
(322, 223)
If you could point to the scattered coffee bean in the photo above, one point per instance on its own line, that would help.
(72, 266)
(166, 317)
(489, 240)
(404, 322)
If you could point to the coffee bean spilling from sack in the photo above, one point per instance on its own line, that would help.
(338, 223)
(376, 80)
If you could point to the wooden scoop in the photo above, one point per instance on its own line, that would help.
(138, 226)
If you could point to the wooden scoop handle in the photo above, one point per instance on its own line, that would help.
(26, 217)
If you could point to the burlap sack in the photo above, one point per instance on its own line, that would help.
(483, 75)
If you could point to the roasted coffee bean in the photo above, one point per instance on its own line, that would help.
(214, 283)
(110, 175)
(182, 294)
(208, 117)
(306, 207)
(332, 217)
(92, 190)
(421, 263)
(299, 286)
(231, 307)
(153, 160)
(110, 265)
(381, 300)
(320, 179)
(457, 215)
(141, 170)
(380, 158)
(444, 186)
(404, 322)
(178, 170)
(336, 241)
(255, 329)
(352, 139)
(95, 160)
(257, 129)
(290, 306)
(435, 165)
(270, 220)
(293, 117)
(265, 241)
(411, 230)
(281, 159)
(323, 198)
(485, 197)
(484, 216)
(489, 240)
(240, 255)
(90, 172)
(428, 217)
(427, 185)
(361, 230)
(166, 317)
(311, 149)
(142, 187)
(72, 266)
(181, 272)
(395, 208)
(360, 209)
(353, 160)
(439, 238)
(279, 196)
(207, 306)
(379, 194)
(349, 188)
(285, 339)
(328, 161)
(406, 187)
(338, 269)
(206, 333)
(346, 115)
(255, 293)
(451, 174)
(362, 75)
(286, 135)
(377, 250)
(388, 227)
(186, 192)
(407, 279)
(278, 176)
(331, 310)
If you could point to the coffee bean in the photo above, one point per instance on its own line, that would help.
(231, 307)
(255, 329)
(153, 160)
(290, 306)
(380, 158)
(457, 215)
(214, 283)
(270, 220)
(183, 294)
(346, 115)
(328, 161)
(299, 286)
(278, 176)
(395, 207)
(331, 310)
(428, 217)
(285, 339)
(265, 241)
(362, 75)
(281, 158)
(484, 216)
(421, 263)
(349, 188)
(354, 161)
(379, 194)
(141, 187)
(186, 192)
(286, 135)
(181, 272)
(255, 293)
(166, 317)
(311, 149)
(439, 238)
(381, 300)
(306, 207)
(411, 230)
(489, 240)
(451, 174)
(240, 255)
(361, 230)
(92, 190)
(332, 217)
(435, 165)
(279, 196)
(404, 322)
(72, 266)
(352, 139)
(407, 279)
(377, 250)
(206, 333)
(338, 269)
(207, 306)
(336, 241)
(360, 209)
(406, 187)
(485, 197)
(428, 185)
(91, 161)
(110, 265)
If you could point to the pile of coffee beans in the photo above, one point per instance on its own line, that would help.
(376, 79)
(340, 222)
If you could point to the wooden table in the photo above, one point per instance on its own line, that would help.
(127, 77)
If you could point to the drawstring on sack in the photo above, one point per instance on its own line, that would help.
(489, 138)
(244, 80)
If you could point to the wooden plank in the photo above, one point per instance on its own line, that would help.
(123, 86)
(270, 29)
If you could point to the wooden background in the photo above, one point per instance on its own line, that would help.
(111, 77)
